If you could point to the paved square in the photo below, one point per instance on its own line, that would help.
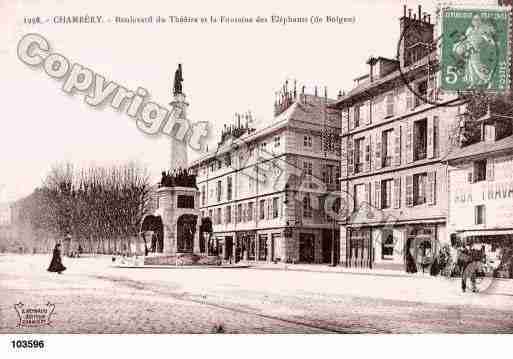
(93, 297)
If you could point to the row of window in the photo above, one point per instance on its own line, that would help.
(244, 212)
(421, 143)
(420, 189)
(329, 174)
(226, 160)
(329, 141)
(360, 114)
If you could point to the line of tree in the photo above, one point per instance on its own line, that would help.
(100, 207)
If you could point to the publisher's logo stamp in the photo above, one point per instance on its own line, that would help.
(34, 316)
(475, 49)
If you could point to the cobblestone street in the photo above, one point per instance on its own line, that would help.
(94, 297)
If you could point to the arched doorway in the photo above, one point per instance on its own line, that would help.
(152, 231)
(185, 230)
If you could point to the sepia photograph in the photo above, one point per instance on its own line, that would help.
(255, 168)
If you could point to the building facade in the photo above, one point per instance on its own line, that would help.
(5, 214)
(396, 132)
(263, 188)
(481, 193)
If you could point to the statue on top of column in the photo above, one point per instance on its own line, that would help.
(177, 87)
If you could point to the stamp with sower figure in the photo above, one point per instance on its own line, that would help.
(475, 49)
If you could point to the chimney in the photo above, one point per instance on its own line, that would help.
(371, 62)
(420, 12)
(404, 10)
(339, 96)
(429, 18)
(409, 13)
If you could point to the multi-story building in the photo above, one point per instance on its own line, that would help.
(264, 188)
(5, 214)
(481, 192)
(395, 135)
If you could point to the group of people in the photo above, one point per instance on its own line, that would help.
(178, 177)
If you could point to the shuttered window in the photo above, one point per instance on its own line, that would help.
(490, 172)
(368, 151)
(239, 213)
(350, 155)
(420, 139)
(420, 188)
(359, 155)
(431, 188)
(409, 191)
(360, 195)
(397, 146)
(262, 209)
(409, 142)
(430, 149)
(228, 214)
(377, 149)
(250, 211)
(390, 105)
(350, 112)
(397, 193)
(386, 193)
(388, 147)
(377, 194)
(368, 193)
(343, 156)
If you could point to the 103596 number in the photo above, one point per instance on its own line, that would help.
(27, 344)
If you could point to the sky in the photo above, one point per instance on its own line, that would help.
(227, 68)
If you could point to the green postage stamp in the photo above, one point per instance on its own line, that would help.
(475, 49)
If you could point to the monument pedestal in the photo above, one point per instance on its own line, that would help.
(181, 228)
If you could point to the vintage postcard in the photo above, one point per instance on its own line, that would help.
(188, 167)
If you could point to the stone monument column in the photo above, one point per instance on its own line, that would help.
(179, 124)
(178, 132)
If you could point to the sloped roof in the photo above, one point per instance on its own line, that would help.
(310, 110)
(481, 148)
(368, 85)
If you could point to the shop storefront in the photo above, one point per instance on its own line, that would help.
(481, 202)
(406, 247)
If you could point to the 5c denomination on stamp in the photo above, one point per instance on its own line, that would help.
(475, 49)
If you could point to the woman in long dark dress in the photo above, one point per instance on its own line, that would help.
(56, 263)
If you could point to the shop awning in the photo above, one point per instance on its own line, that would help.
(487, 232)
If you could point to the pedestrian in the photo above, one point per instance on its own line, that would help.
(470, 271)
(56, 263)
